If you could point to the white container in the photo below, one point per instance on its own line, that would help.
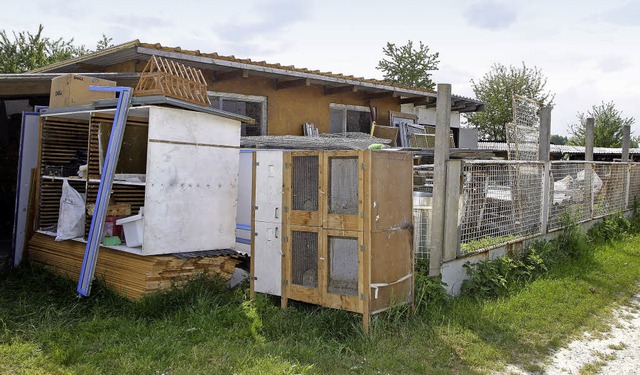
(133, 229)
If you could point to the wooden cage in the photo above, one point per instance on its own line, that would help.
(347, 230)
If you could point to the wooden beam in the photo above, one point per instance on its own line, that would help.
(91, 67)
(417, 99)
(340, 89)
(381, 95)
(234, 74)
(292, 83)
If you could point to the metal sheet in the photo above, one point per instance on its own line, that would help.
(268, 258)
(28, 159)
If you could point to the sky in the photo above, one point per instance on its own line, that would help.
(588, 50)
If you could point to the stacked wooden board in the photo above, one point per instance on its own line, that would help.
(131, 275)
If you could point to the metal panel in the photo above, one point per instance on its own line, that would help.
(28, 160)
(268, 258)
(268, 200)
(191, 197)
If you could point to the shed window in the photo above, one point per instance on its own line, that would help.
(244, 105)
(349, 118)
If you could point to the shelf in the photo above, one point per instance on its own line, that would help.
(96, 181)
(126, 249)
(59, 178)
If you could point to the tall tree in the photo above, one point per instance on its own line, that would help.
(496, 88)
(27, 51)
(408, 66)
(607, 127)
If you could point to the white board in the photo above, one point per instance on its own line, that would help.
(190, 199)
(177, 125)
(28, 159)
(268, 258)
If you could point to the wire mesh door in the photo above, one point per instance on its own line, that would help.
(343, 198)
(304, 279)
(303, 173)
(343, 269)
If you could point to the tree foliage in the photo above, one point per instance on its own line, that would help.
(556, 139)
(496, 88)
(27, 51)
(607, 127)
(408, 66)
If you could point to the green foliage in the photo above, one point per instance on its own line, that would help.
(556, 139)
(408, 66)
(607, 127)
(611, 228)
(496, 88)
(27, 51)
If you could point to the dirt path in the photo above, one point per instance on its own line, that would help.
(614, 352)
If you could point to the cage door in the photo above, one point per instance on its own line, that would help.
(303, 175)
(344, 190)
(304, 264)
(344, 259)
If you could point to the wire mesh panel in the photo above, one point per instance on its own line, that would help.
(634, 183)
(569, 192)
(502, 202)
(343, 265)
(610, 188)
(422, 209)
(304, 182)
(304, 258)
(523, 134)
(343, 185)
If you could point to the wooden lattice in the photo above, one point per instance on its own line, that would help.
(165, 77)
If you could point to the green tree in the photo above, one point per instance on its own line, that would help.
(496, 88)
(607, 126)
(408, 66)
(27, 51)
(556, 139)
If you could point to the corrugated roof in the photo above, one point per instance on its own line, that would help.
(560, 149)
(134, 49)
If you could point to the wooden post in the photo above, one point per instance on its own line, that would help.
(441, 155)
(543, 155)
(626, 139)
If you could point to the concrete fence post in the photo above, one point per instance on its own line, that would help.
(452, 210)
(626, 140)
(543, 155)
(441, 155)
(588, 169)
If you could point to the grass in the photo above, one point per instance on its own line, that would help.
(205, 328)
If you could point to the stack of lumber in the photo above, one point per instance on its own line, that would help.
(131, 275)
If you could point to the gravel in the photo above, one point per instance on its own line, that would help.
(616, 351)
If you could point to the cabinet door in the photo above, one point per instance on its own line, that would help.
(303, 176)
(268, 258)
(343, 201)
(304, 265)
(268, 200)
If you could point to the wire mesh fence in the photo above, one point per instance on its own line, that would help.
(422, 213)
(502, 201)
(634, 184)
(610, 188)
(570, 195)
(523, 134)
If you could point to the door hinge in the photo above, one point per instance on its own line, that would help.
(362, 214)
(255, 207)
(257, 163)
(362, 166)
(255, 278)
(362, 248)
(286, 282)
(363, 297)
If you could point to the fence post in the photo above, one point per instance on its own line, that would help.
(543, 155)
(626, 138)
(441, 155)
(452, 210)
(588, 169)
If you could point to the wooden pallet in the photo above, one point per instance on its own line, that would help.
(165, 77)
(131, 275)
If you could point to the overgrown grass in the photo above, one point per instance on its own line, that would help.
(206, 328)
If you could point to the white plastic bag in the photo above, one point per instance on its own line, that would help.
(71, 214)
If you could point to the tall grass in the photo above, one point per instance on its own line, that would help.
(207, 328)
